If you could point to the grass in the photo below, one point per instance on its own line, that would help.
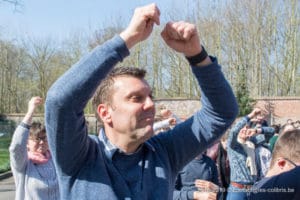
(4, 160)
(4, 142)
(4, 154)
(7, 127)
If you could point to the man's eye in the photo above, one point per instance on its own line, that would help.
(136, 98)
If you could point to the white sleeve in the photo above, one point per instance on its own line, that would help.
(161, 124)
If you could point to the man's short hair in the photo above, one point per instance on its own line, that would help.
(105, 91)
(287, 146)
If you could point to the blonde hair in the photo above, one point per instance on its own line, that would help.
(287, 146)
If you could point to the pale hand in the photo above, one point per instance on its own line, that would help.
(141, 24)
(182, 37)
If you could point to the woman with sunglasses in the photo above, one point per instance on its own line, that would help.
(31, 163)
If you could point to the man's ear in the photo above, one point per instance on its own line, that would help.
(281, 163)
(104, 113)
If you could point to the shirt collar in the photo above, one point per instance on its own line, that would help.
(111, 149)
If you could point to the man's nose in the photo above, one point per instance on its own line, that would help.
(148, 103)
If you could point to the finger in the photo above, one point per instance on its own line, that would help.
(178, 28)
(156, 17)
(188, 31)
(197, 182)
(213, 195)
(185, 30)
(151, 12)
(164, 33)
(201, 184)
(150, 24)
(172, 31)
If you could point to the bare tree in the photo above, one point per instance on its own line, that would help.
(40, 55)
(18, 4)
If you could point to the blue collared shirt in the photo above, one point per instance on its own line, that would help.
(110, 149)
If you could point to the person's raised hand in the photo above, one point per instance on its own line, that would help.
(33, 103)
(172, 121)
(141, 24)
(182, 37)
(165, 113)
(245, 133)
(254, 113)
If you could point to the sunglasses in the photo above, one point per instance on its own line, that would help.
(291, 162)
(39, 139)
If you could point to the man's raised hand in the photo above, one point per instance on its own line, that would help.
(141, 24)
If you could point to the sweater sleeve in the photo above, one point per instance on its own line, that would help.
(179, 194)
(194, 135)
(266, 134)
(66, 99)
(18, 148)
(233, 134)
(183, 195)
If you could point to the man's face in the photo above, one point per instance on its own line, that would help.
(132, 110)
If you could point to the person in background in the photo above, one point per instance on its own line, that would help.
(125, 161)
(259, 120)
(273, 139)
(289, 125)
(165, 120)
(166, 113)
(212, 151)
(263, 157)
(282, 180)
(197, 180)
(263, 153)
(222, 162)
(30, 159)
(241, 145)
(163, 124)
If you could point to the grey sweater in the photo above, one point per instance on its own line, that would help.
(92, 168)
(33, 181)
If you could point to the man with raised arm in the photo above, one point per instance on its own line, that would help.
(125, 161)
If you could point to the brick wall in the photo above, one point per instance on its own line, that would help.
(280, 108)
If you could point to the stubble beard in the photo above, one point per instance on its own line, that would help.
(143, 133)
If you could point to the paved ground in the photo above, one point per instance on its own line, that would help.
(7, 187)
